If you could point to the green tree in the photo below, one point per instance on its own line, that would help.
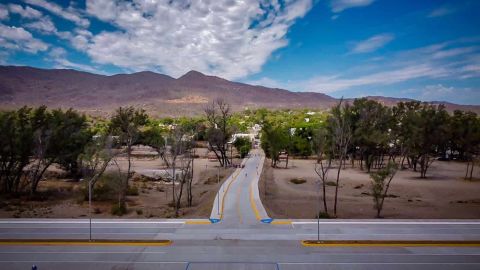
(465, 138)
(274, 140)
(381, 181)
(371, 126)
(243, 146)
(126, 123)
(71, 135)
(16, 144)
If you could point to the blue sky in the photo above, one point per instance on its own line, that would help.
(427, 50)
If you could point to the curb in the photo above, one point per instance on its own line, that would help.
(389, 243)
(81, 242)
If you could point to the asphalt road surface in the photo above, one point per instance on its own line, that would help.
(240, 240)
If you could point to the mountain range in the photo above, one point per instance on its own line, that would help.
(158, 94)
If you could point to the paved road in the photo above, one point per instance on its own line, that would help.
(240, 240)
(237, 203)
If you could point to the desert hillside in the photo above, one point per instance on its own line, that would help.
(158, 94)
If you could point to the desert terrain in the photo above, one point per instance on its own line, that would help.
(63, 198)
(444, 194)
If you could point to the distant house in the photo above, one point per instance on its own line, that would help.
(250, 136)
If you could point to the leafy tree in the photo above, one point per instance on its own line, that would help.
(154, 138)
(274, 140)
(465, 137)
(127, 123)
(381, 181)
(429, 136)
(16, 143)
(43, 156)
(71, 135)
(301, 146)
(96, 157)
(243, 146)
(371, 125)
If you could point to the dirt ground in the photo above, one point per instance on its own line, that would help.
(63, 198)
(444, 194)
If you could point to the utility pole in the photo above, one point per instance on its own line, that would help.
(318, 213)
(218, 193)
(90, 209)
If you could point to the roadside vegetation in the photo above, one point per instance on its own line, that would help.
(36, 143)
(376, 138)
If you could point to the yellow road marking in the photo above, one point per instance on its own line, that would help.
(226, 191)
(281, 222)
(198, 222)
(386, 243)
(252, 203)
(84, 243)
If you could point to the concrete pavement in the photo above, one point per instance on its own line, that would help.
(237, 202)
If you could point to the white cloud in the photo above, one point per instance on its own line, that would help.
(58, 56)
(43, 25)
(227, 38)
(68, 14)
(57, 52)
(27, 12)
(440, 12)
(341, 5)
(267, 82)
(440, 92)
(3, 12)
(337, 82)
(453, 60)
(454, 52)
(17, 38)
(67, 64)
(372, 43)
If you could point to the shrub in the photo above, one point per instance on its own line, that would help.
(323, 215)
(298, 181)
(331, 183)
(119, 209)
(139, 212)
(132, 191)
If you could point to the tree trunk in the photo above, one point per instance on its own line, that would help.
(466, 172)
(336, 187)
(286, 164)
(471, 170)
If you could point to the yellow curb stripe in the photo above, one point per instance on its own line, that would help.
(390, 243)
(281, 222)
(85, 243)
(198, 222)
(226, 191)
(252, 203)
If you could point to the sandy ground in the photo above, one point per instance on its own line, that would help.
(62, 198)
(444, 194)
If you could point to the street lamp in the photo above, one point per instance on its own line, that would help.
(218, 193)
(90, 208)
(318, 191)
